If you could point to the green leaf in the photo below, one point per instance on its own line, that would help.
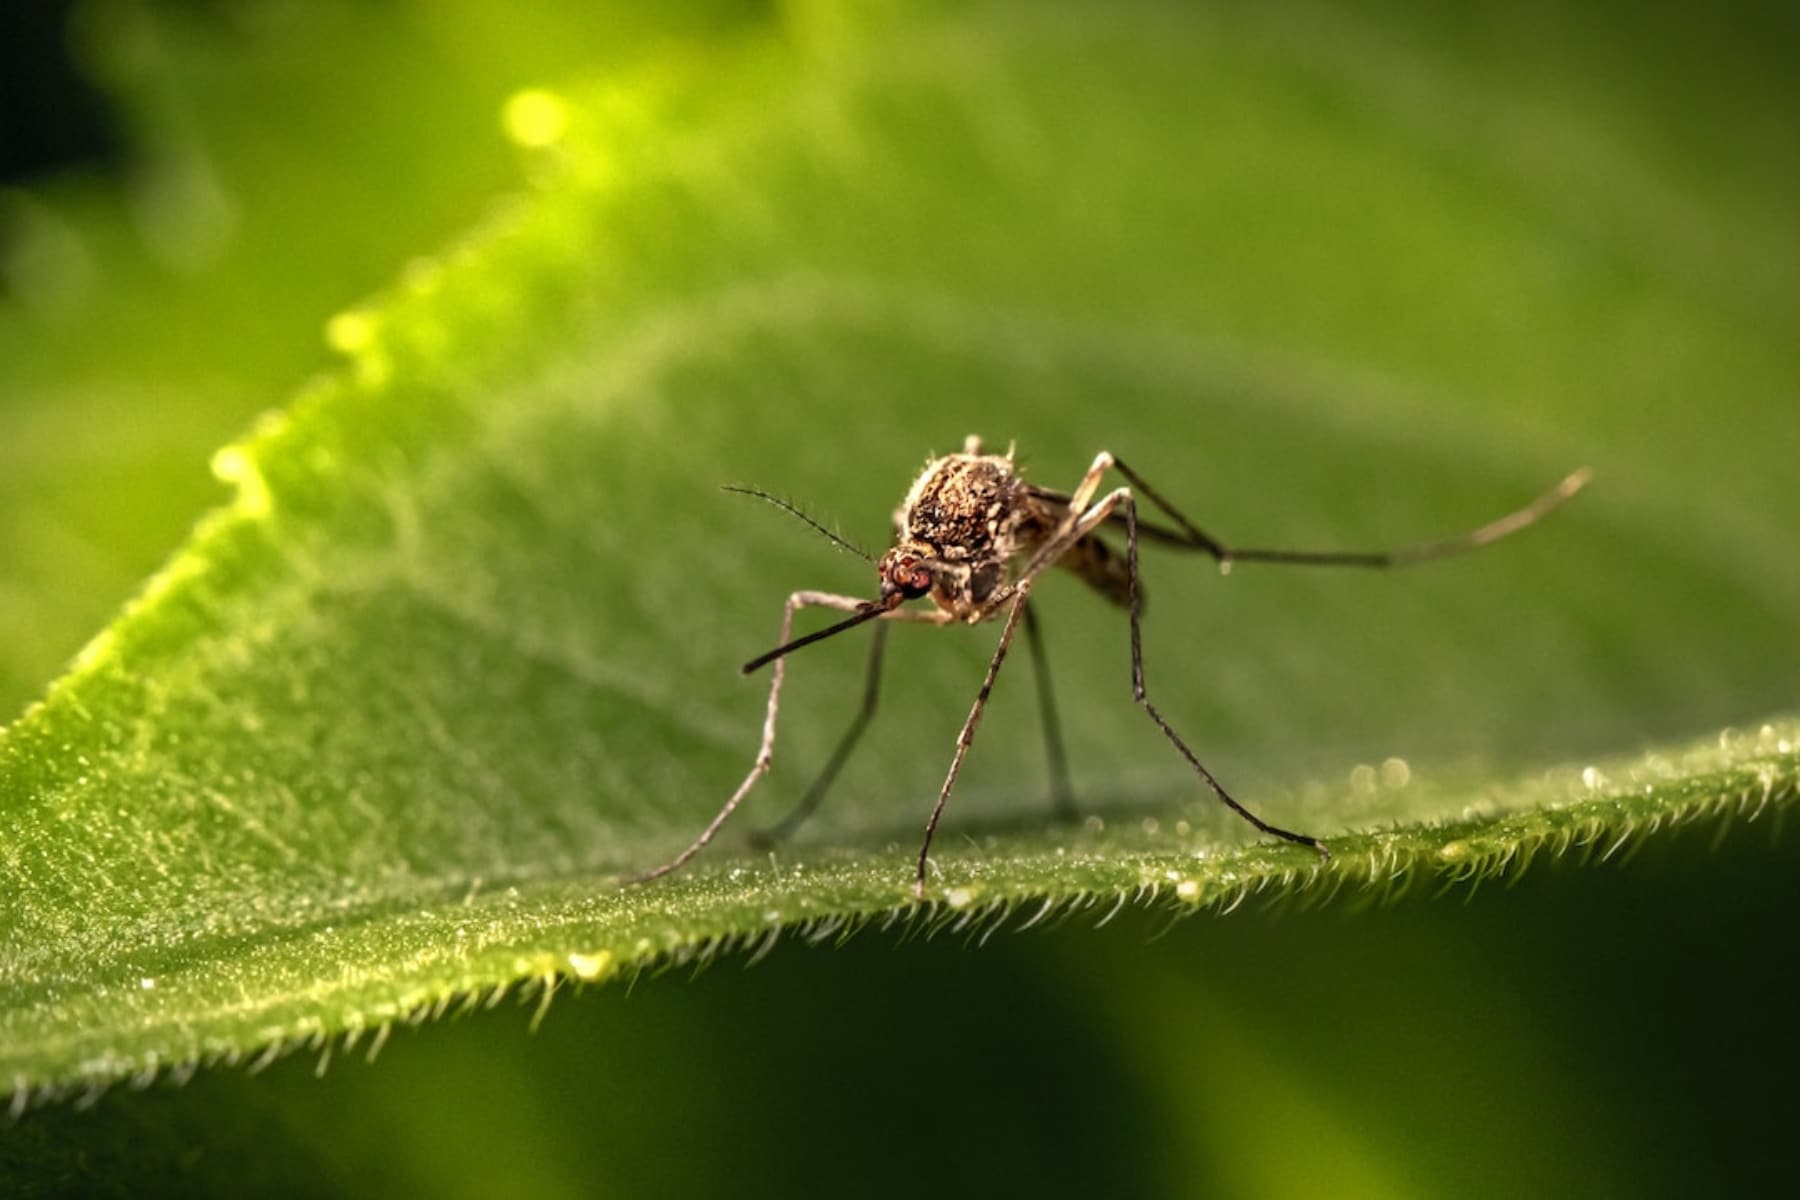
(281, 163)
(387, 731)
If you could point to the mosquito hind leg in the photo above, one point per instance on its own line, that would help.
(1190, 536)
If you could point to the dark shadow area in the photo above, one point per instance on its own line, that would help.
(52, 117)
(1609, 1029)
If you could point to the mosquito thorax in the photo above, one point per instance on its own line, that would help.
(965, 507)
(964, 518)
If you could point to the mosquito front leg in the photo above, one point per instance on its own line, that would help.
(766, 754)
(814, 794)
(1020, 595)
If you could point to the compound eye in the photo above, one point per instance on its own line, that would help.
(907, 575)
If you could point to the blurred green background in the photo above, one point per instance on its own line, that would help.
(251, 168)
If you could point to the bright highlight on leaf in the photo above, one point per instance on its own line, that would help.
(536, 118)
(232, 466)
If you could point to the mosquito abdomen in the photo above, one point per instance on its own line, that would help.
(1101, 568)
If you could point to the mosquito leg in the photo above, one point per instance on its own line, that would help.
(1090, 483)
(1061, 537)
(780, 831)
(1020, 594)
(1061, 798)
(766, 754)
(1124, 499)
(1121, 499)
(1191, 536)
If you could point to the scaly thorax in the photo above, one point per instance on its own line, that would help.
(962, 530)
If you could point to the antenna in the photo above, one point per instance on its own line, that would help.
(794, 511)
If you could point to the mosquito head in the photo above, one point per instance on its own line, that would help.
(905, 573)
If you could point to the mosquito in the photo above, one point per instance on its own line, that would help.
(973, 537)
